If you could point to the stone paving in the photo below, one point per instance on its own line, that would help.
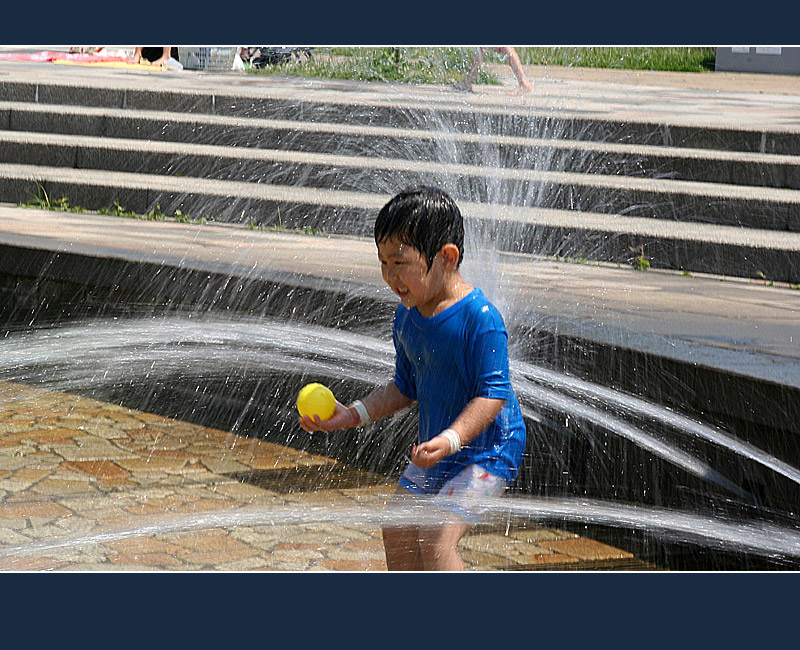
(91, 486)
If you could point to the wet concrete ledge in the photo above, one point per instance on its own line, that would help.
(721, 351)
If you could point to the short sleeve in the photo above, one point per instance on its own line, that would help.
(492, 377)
(403, 372)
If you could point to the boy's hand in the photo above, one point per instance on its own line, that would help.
(429, 453)
(343, 417)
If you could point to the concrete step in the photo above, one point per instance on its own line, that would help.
(697, 247)
(633, 196)
(584, 117)
(553, 151)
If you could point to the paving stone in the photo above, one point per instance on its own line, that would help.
(9, 537)
(56, 487)
(12, 463)
(32, 475)
(259, 537)
(586, 549)
(150, 464)
(243, 491)
(307, 553)
(114, 484)
(31, 564)
(94, 449)
(104, 469)
(89, 567)
(224, 466)
(247, 564)
(42, 508)
(155, 560)
(552, 559)
(154, 477)
(354, 565)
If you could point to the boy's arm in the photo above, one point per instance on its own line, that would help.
(476, 417)
(380, 403)
(384, 401)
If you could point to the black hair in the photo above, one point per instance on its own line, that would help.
(423, 217)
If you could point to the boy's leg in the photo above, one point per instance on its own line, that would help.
(428, 548)
(401, 546)
(438, 547)
(458, 505)
(463, 501)
(401, 542)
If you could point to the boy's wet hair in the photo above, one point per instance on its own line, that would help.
(423, 217)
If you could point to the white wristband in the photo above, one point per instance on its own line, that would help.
(363, 413)
(454, 439)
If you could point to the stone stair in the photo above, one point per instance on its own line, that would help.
(541, 180)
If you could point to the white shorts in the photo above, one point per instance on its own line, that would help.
(468, 494)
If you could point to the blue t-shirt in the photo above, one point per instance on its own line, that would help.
(445, 361)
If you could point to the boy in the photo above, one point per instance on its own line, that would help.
(452, 358)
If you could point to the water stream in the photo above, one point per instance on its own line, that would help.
(261, 363)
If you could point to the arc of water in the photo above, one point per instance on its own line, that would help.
(764, 538)
(259, 338)
(554, 400)
(675, 420)
(758, 537)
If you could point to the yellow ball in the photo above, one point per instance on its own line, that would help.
(316, 399)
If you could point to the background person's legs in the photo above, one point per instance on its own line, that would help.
(513, 61)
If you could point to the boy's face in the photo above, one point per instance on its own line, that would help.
(406, 272)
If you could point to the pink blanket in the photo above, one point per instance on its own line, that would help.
(47, 56)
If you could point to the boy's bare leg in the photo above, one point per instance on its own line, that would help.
(438, 547)
(137, 54)
(401, 546)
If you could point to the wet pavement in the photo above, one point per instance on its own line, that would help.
(91, 486)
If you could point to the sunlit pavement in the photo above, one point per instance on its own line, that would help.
(91, 486)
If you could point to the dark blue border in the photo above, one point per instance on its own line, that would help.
(412, 22)
(631, 609)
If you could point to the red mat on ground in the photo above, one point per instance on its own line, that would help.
(47, 56)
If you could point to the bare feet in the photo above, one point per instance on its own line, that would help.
(523, 89)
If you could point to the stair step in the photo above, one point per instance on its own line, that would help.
(760, 207)
(565, 233)
(584, 117)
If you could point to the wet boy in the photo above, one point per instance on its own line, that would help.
(452, 359)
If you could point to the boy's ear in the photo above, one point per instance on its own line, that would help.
(450, 256)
